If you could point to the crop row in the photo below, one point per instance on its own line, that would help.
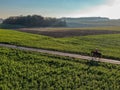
(108, 44)
(29, 70)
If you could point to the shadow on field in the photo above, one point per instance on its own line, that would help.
(93, 63)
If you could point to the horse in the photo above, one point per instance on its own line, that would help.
(96, 54)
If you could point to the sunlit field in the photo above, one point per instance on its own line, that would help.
(29, 70)
(108, 44)
(59, 45)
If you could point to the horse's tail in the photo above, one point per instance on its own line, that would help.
(92, 53)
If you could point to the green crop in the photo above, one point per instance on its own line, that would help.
(109, 45)
(22, 70)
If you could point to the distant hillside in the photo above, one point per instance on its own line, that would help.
(1, 20)
(91, 22)
(89, 19)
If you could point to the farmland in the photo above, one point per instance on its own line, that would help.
(70, 32)
(29, 70)
(108, 44)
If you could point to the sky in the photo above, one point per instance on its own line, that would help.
(61, 8)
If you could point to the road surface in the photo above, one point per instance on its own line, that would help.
(59, 53)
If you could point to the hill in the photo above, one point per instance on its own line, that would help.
(91, 22)
(108, 44)
(22, 70)
(1, 20)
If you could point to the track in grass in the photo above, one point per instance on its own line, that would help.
(60, 53)
(24, 70)
(107, 44)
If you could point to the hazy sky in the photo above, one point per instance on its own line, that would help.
(60, 8)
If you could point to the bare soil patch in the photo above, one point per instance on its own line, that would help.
(59, 33)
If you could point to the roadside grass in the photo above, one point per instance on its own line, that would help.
(109, 44)
(23, 70)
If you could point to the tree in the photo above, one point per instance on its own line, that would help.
(34, 21)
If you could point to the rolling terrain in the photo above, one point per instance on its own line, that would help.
(108, 44)
(71, 55)
(91, 22)
(25, 70)
(29, 70)
(70, 32)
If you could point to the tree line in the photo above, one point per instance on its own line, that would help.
(35, 21)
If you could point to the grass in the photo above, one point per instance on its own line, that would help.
(22, 70)
(108, 44)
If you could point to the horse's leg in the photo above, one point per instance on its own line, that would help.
(92, 56)
(99, 56)
(95, 58)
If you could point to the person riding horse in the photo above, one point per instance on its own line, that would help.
(96, 53)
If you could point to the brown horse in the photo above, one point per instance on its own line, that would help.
(96, 54)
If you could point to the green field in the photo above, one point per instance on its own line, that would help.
(108, 44)
(22, 70)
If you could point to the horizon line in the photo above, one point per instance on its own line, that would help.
(62, 16)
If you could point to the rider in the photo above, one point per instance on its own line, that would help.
(96, 53)
(96, 50)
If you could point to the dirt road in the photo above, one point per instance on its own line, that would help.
(59, 53)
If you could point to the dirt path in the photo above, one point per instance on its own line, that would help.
(59, 53)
